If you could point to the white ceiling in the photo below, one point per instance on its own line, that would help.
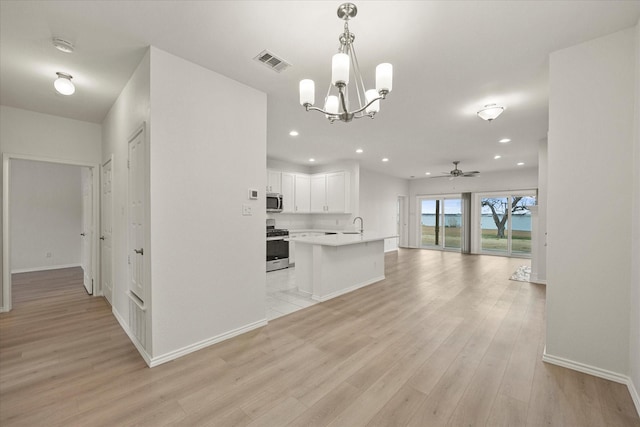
(449, 57)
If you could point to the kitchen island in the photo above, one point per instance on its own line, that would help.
(334, 264)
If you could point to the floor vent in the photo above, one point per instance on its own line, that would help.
(137, 322)
(269, 59)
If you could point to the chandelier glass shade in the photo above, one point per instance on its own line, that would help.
(344, 65)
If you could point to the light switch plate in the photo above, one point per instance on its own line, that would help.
(246, 210)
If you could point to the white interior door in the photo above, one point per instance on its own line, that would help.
(106, 221)
(137, 173)
(87, 228)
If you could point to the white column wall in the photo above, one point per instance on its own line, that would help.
(127, 114)
(208, 148)
(591, 121)
(634, 335)
(379, 201)
(46, 215)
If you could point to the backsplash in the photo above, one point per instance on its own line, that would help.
(311, 221)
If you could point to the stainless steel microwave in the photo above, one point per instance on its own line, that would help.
(274, 202)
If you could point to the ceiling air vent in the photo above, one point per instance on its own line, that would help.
(272, 61)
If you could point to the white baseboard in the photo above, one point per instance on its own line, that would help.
(634, 395)
(132, 337)
(534, 279)
(596, 372)
(3, 309)
(43, 268)
(155, 361)
(347, 290)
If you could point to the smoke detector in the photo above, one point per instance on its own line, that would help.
(62, 45)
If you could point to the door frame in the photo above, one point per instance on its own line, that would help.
(403, 214)
(110, 161)
(6, 220)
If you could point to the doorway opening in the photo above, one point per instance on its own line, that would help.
(48, 228)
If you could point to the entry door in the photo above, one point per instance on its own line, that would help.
(106, 221)
(87, 228)
(137, 173)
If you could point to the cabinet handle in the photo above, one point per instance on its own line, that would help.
(139, 251)
(101, 237)
(82, 234)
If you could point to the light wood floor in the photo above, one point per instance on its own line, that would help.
(446, 339)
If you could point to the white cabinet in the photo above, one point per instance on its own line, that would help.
(330, 192)
(274, 184)
(295, 193)
(302, 194)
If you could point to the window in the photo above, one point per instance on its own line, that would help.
(505, 223)
(440, 222)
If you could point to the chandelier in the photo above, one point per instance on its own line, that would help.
(344, 62)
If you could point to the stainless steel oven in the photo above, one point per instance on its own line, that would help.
(277, 249)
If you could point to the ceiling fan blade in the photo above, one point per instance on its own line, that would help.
(473, 172)
(442, 176)
(469, 176)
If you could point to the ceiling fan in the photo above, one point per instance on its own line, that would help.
(455, 173)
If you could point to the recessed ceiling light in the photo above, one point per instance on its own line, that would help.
(427, 173)
(359, 150)
(62, 45)
(497, 157)
(520, 163)
(294, 133)
(504, 140)
(312, 160)
(385, 160)
(63, 84)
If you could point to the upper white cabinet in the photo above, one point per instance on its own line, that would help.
(330, 192)
(295, 193)
(302, 194)
(274, 183)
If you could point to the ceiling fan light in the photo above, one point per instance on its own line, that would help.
(490, 112)
(63, 84)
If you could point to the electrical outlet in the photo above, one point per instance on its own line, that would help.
(246, 210)
(49, 254)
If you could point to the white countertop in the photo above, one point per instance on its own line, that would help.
(342, 239)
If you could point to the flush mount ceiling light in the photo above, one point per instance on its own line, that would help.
(490, 112)
(294, 133)
(62, 45)
(63, 84)
(343, 64)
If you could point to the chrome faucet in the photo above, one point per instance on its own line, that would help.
(361, 223)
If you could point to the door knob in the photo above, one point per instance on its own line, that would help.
(139, 251)
(101, 237)
(82, 234)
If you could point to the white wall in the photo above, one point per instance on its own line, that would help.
(46, 215)
(591, 122)
(521, 179)
(40, 135)
(379, 201)
(208, 147)
(539, 258)
(634, 335)
(127, 114)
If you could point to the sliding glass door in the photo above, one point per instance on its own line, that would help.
(440, 222)
(505, 224)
